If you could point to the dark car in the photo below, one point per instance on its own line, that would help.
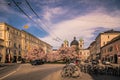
(94, 62)
(36, 62)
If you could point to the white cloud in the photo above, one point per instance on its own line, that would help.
(49, 13)
(82, 26)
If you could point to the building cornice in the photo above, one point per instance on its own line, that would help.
(9, 26)
(108, 32)
(112, 41)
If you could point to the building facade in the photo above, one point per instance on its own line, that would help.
(1, 48)
(101, 40)
(92, 49)
(11, 42)
(84, 54)
(16, 43)
(111, 51)
(104, 38)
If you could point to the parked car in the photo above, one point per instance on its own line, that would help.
(36, 62)
(95, 62)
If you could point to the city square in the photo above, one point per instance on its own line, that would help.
(59, 40)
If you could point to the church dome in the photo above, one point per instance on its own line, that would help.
(74, 42)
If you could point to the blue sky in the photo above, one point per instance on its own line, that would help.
(60, 20)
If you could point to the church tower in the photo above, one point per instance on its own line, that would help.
(81, 43)
(66, 43)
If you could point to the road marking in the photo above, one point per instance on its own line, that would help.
(10, 73)
(7, 75)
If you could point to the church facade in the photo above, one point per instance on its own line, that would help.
(78, 45)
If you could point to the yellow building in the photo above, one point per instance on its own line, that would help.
(84, 54)
(111, 51)
(11, 42)
(15, 43)
(47, 48)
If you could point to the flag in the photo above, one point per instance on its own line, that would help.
(26, 26)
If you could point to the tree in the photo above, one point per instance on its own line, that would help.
(68, 53)
(35, 53)
(52, 57)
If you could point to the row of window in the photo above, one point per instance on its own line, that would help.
(84, 53)
(15, 52)
(111, 48)
(19, 34)
(14, 31)
(9, 43)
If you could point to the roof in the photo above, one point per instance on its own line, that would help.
(93, 43)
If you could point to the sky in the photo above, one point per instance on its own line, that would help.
(54, 21)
